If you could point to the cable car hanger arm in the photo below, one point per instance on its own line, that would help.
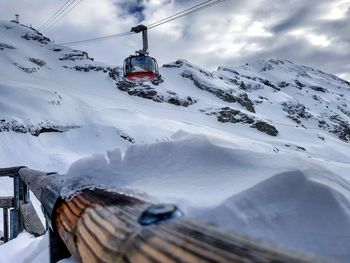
(143, 29)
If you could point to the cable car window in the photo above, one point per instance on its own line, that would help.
(142, 64)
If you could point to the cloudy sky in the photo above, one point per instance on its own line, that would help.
(314, 32)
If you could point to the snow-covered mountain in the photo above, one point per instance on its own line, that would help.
(261, 148)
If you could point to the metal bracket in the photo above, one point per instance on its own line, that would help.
(143, 29)
(157, 213)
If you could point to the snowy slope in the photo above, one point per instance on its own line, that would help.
(224, 145)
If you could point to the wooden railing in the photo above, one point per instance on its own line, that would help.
(99, 226)
(22, 213)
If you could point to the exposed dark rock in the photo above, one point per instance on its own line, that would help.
(321, 137)
(76, 55)
(246, 102)
(267, 67)
(318, 88)
(148, 92)
(44, 130)
(346, 112)
(265, 127)
(37, 61)
(299, 84)
(242, 86)
(37, 37)
(26, 69)
(277, 61)
(315, 97)
(225, 95)
(113, 73)
(56, 49)
(300, 148)
(323, 124)
(125, 136)
(177, 64)
(228, 70)
(5, 46)
(226, 114)
(88, 68)
(296, 111)
(343, 131)
(341, 127)
(35, 130)
(269, 84)
(283, 84)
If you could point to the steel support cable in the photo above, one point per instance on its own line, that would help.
(60, 18)
(57, 16)
(52, 16)
(199, 7)
(174, 17)
(183, 11)
(97, 39)
(54, 20)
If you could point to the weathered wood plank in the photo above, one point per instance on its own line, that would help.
(99, 226)
(105, 229)
(12, 171)
(6, 201)
(30, 219)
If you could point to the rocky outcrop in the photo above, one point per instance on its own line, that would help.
(226, 114)
(76, 55)
(5, 46)
(125, 136)
(38, 62)
(149, 92)
(26, 69)
(36, 37)
(265, 127)
(34, 129)
(296, 111)
(227, 95)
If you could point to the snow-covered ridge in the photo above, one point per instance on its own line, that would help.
(257, 144)
(310, 98)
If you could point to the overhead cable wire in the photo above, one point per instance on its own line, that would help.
(174, 17)
(183, 11)
(59, 18)
(97, 39)
(52, 16)
(188, 11)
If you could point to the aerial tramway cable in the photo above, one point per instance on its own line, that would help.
(61, 14)
(188, 11)
(183, 11)
(179, 15)
(54, 15)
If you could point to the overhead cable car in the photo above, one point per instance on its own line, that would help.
(141, 66)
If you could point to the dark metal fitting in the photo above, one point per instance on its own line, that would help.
(157, 213)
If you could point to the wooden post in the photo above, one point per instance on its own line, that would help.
(30, 219)
(6, 225)
(15, 219)
(5, 204)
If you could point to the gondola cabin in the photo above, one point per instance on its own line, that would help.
(140, 67)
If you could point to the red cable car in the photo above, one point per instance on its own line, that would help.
(141, 67)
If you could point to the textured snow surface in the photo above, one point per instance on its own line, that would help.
(261, 149)
(26, 248)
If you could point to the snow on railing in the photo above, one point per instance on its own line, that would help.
(94, 225)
